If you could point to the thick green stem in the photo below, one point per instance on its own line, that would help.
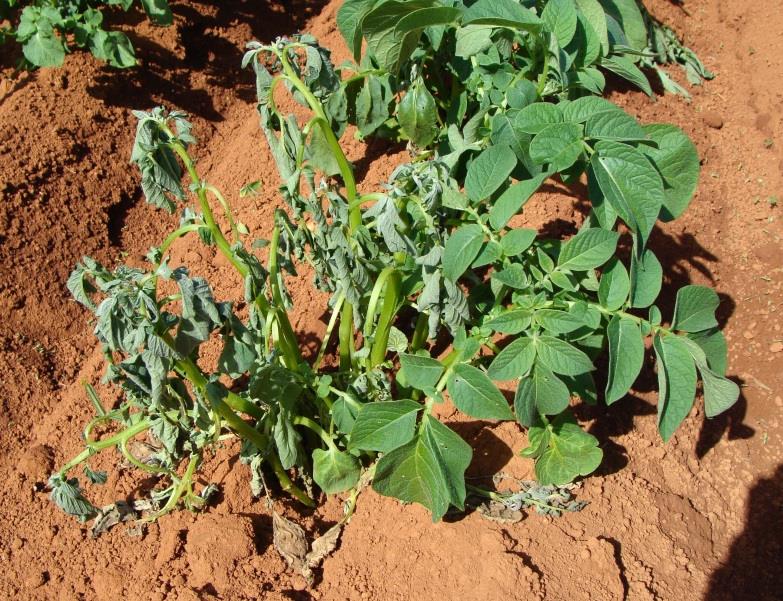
(291, 351)
(94, 447)
(420, 332)
(329, 329)
(391, 299)
(346, 336)
(300, 420)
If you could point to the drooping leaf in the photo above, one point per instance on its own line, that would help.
(626, 356)
(695, 309)
(630, 184)
(615, 285)
(541, 392)
(677, 161)
(429, 470)
(646, 279)
(334, 470)
(563, 451)
(559, 17)
(417, 115)
(501, 13)
(676, 383)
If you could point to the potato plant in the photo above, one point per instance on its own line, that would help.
(48, 29)
(434, 258)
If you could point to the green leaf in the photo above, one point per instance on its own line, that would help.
(541, 392)
(646, 278)
(461, 250)
(44, 49)
(558, 145)
(614, 125)
(676, 383)
(67, 495)
(417, 115)
(517, 241)
(514, 361)
(512, 276)
(557, 321)
(713, 344)
(391, 47)
(581, 109)
(695, 309)
(594, 13)
(624, 67)
(473, 39)
(158, 11)
(349, 22)
(537, 116)
(615, 285)
(501, 13)
(720, 393)
(628, 15)
(113, 47)
(473, 393)
(677, 161)
(630, 184)
(427, 17)
(513, 199)
(429, 470)
(384, 426)
(590, 248)
(335, 471)
(626, 356)
(489, 171)
(559, 17)
(419, 371)
(562, 357)
(564, 451)
(510, 322)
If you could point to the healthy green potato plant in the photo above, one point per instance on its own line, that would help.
(48, 29)
(434, 259)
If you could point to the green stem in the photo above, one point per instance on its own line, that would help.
(329, 329)
(300, 420)
(420, 332)
(291, 351)
(94, 447)
(181, 486)
(226, 209)
(346, 336)
(391, 300)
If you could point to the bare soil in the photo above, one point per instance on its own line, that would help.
(699, 518)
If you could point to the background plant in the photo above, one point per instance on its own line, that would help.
(48, 29)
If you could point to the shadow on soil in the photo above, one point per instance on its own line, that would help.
(752, 569)
(212, 39)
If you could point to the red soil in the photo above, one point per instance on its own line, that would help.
(699, 518)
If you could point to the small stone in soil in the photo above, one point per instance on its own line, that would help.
(713, 119)
(776, 347)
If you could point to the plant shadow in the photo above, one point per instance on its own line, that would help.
(752, 568)
(208, 53)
